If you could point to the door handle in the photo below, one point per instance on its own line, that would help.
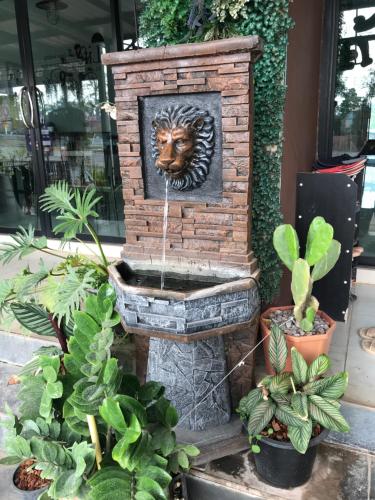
(24, 91)
(21, 98)
(31, 109)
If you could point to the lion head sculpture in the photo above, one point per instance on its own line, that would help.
(182, 145)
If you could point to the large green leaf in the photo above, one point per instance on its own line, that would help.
(30, 396)
(281, 383)
(299, 366)
(288, 416)
(23, 243)
(71, 290)
(277, 349)
(33, 317)
(163, 439)
(57, 197)
(247, 403)
(319, 366)
(327, 415)
(260, 416)
(299, 404)
(319, 240)
(145, 483)
(157, 474)
(327, 261)
(86, 324)
(330, 387)
(111, 413)
(300, 436)
(286, 244)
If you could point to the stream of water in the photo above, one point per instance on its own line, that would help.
(165, 227)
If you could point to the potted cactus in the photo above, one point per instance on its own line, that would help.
(305, 326)
(290, 413)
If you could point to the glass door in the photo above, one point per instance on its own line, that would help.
(52, 125)
(79, 139)
(18, 200)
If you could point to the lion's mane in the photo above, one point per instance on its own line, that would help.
(183, 116)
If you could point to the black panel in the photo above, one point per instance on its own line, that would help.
(332, 196)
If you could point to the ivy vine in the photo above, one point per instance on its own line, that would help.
(177, 21)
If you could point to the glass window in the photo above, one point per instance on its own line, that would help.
(354, 111)
(18, 198)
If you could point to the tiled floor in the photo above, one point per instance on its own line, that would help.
(346, 352)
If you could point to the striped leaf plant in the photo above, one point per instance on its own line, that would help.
(300, 399)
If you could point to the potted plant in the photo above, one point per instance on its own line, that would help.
(90, 429)
(42, 300)
(306, 327)
(290, 413)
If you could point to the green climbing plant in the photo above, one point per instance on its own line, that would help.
(169, 22)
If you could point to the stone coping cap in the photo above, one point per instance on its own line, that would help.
(253, 44)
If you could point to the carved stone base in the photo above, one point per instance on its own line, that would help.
(189, 372)
(237, 345)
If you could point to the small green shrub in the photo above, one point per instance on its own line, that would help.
(299, 399)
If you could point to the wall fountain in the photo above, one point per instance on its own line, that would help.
(187, 283)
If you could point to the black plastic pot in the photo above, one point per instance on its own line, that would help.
(282, 466)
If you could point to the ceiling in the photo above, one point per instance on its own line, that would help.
(76, 25)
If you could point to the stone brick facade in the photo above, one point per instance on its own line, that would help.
(217, 233)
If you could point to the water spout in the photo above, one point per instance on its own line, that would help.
(165, 227)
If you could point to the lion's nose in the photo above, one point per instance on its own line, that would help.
(165, 162)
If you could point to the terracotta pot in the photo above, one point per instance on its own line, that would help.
(310, 346)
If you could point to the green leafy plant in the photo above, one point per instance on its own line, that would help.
(43, 300)
(68, 400)
(322, 253)
(300, 399)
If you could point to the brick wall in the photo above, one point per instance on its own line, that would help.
(217, 233)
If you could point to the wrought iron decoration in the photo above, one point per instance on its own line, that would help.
(183, 141)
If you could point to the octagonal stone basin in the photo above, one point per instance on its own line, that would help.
(187, 305)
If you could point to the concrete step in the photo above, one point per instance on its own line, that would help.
(18, 349)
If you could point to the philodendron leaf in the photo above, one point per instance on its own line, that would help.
(277, 349)
(319, 366)
(300, 436)
(285, 241)
(319, 240)
(327, 261)
(260, 416)
(327, 414)
(299, 366)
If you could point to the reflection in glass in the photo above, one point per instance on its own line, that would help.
(18, 199)
(79, 139)
(354, 120)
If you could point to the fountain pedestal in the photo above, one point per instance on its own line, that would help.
(184, 113)
(190, 373)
